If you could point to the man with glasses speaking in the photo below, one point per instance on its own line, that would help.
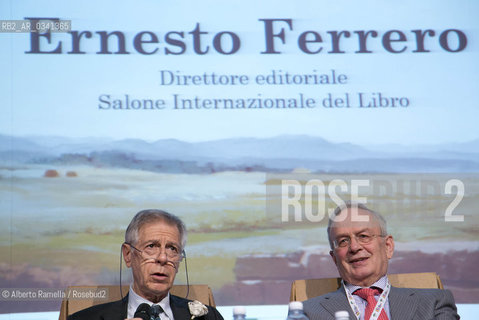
(361, 249)
(153, 249)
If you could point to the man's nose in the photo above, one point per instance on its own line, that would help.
(354, 245)
(162, 258)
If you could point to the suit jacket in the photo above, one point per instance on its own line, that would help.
(117, 310)
(404, 304)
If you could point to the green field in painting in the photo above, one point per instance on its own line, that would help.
(73, 226)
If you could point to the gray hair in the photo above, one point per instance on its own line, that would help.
(349, 204)
(150, 215)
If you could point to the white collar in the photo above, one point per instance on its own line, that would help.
(381, 283)
(134, 300)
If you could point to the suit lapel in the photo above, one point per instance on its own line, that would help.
(179, 307)
(336, 301)
(117, 311)
(402, 306)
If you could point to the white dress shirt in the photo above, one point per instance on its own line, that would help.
(134, 300)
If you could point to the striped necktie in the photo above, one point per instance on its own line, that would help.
(368, 295)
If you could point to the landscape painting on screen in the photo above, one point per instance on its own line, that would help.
(68, 201)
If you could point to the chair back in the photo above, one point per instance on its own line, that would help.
(74, 301)
(305, 289)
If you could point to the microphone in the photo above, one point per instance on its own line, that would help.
(186, 272)
(143, 312)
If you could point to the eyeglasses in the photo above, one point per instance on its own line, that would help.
(362, 238)
(153, 250)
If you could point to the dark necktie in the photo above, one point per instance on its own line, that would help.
(368, 295)
(156, 309)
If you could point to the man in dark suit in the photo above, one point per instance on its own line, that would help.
(153, 249)
(361, 249)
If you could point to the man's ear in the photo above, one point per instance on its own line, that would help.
(127, 252)
(331, 253)
(389, 246)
